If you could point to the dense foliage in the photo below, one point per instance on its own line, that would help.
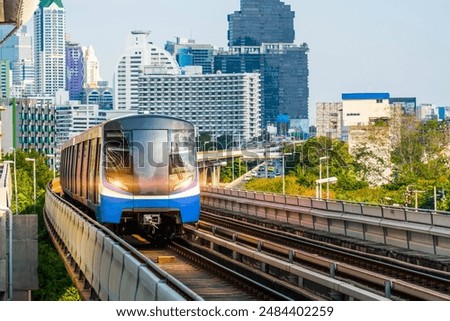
(54, 283)
(419, 160)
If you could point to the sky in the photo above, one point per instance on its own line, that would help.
(397, 46)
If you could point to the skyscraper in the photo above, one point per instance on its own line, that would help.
(50, 46)
(18, 51)
(91, 67)
(4, 79)
(188, 53)
(261, 38)
(74, 70)
(139, 52)
(261, 21)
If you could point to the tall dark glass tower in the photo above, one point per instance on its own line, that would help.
(261, 39)
(261, 21)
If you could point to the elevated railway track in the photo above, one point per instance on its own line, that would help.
(395, 278)
(104, 266)
(221, 258)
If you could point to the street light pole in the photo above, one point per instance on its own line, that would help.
(416, 192)
(34, 180)
(328, 182)
(15, 181)
(204, 144)
(320, 174)
(283, 171)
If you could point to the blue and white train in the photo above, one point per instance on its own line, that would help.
(136, 171)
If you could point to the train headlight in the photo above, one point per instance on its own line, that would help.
(118, 183)
(183, 183)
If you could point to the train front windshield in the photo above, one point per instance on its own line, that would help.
(150, 161)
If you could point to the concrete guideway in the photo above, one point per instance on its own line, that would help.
(109, 268)
(423, 231)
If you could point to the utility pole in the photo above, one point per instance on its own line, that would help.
(416, 192)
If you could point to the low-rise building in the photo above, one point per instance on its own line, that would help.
(363, 108)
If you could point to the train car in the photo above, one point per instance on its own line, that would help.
(136, 171)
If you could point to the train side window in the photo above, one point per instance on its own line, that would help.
(92, 161)
(67, 166)
(84, 169)
(182, 165)
(62, 162)
(78, 168)
(117, 160)
(97, 171)
(73, 166)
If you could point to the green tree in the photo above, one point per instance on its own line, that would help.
(54, 283)
(419, 153)
(25, 187)
(226, 173)
(421, 162)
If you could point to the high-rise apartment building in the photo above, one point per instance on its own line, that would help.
(91, 67)
(261, 21)
(219, 104)
(74, 70)
(50, 46)
(139, 52)
(31, 124)
(4, 79)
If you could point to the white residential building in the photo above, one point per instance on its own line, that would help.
(73, 118)
(215, 103)
(427, 112)
(50, 47)
(139, 52)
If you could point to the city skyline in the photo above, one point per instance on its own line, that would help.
(393, 46)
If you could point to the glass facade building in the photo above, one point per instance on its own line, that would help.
(188, 53)
(18, 51)
(261, 39)
(261, 21)
(284, 77)
(101, 96)
(75, 70)
(409, 104)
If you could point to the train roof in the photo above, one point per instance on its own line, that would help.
(133, 121)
